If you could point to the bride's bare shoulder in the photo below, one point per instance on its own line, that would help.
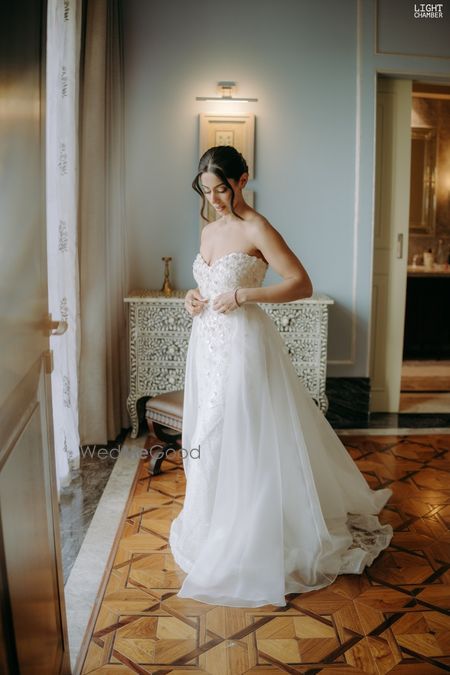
(263, 235)
(258, 225)
(207, 230)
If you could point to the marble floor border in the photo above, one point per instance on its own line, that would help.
(83, 585)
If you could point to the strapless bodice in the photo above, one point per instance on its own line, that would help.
(227, 272)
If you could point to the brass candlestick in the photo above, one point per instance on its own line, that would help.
(166, 287)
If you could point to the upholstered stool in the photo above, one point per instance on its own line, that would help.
(164, 415)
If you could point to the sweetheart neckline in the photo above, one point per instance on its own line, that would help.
(199, 255)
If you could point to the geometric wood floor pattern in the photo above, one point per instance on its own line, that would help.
(393, 618)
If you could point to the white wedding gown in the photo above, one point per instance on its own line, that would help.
(274, 503)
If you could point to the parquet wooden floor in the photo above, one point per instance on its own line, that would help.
(394, 618)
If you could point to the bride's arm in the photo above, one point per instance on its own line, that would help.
(296, 283)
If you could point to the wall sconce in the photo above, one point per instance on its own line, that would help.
(226, 91)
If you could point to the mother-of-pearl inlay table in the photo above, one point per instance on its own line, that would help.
(159, 329)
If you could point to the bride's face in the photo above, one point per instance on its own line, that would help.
(217, 193)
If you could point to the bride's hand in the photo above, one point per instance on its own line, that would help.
(226, 302)
(194, 302)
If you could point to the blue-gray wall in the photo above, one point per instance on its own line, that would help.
(313, 68)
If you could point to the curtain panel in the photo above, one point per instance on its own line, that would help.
(103, 261)
(62, 69)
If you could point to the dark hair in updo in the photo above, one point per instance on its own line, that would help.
(225, 162)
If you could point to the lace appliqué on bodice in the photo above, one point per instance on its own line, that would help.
(227, 272)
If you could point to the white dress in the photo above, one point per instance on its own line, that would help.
(274, 503)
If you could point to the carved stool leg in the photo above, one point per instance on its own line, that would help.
(158, 454)
(152, 446)
(156, 451)
(151, 429)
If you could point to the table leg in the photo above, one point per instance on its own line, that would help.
(323, 403)
(133, 413)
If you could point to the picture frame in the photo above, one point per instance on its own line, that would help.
(229, 129)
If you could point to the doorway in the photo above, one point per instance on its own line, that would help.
(425, 379)
(410, 351)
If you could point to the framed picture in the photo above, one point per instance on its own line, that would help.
(235, 130)
(249, 197)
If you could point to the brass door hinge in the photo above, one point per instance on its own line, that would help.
(54, 327)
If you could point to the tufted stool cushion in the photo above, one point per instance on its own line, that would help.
(166, 409)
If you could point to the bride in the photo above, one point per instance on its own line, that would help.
(274, 503)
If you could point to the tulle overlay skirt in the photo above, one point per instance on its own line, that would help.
(274, 503)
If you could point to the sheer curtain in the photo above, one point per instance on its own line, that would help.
(86, 237)
(102, 227)
(63, 43)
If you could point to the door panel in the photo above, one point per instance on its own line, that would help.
(392, 185)
(27, 522)
(33, 634)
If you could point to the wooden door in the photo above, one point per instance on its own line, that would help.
(33, 633)
(392, 185)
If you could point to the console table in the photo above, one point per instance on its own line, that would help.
(159, 330)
